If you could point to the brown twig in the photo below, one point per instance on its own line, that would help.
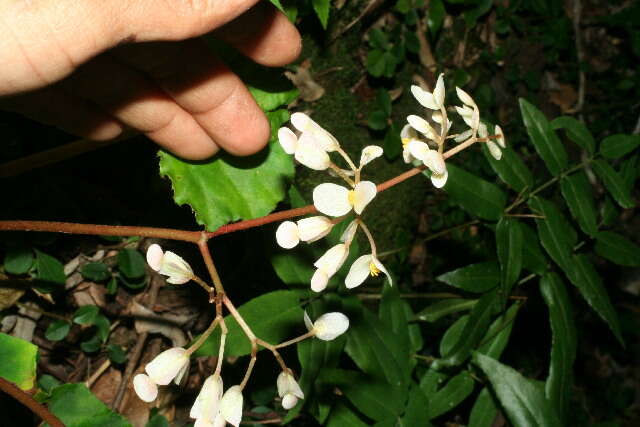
(28, 401)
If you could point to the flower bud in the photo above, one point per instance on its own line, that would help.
(168, 365)
(314, 228)
(206, 404)
(145, 388)
(287, 235)
(231, 405)
(288, 390)
(329, 326)
(169, 264)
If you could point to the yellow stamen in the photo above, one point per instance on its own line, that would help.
(373, 269)
(351, 197)
(405, 141)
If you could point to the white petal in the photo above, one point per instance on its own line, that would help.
(154, 256)
(408, 132)
(307, 321)
(289, 401)
(465, 112)
(165, 366)
(287, 384)
(482, 130)
(309, 154)
(500, 139)
(439, 180)
(349, 232)
(330, 325)
(363, 194)
(381, 267)
(322, 138)
(358, 272)
(495, 150)
(145, 388)
(319, 280)
(176, 268)
(464, 135)
(331, 199)
(475, 119)
(421, 125)
(231, 405)
(418, 149)
(287, 235)
(424, 98)
(206, 404)
(465, 98)
(369, 153)
(202, 422)
(288, 140)
(437, 117)
(302, 122)
(219, 421)
(435, 162)
(333, 259)
(406, 154)
(178, 379)
(314, 228)
(438, 92)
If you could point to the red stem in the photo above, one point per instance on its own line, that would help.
(30, 403)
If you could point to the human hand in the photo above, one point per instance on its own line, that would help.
(95, 67)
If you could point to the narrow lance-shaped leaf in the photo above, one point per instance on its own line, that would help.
(484, 410)
(479, 277)
(415, 413)
(532, 257)
(477, 196)
(455, 391)
(576, 131)
(509, 242)
(617, 248)
(579, 197)
(615, 146)
(556, 235)
(511, 169)
(563, 343)
(544, 138)
(614, 183)
(522, 399)
(498, 334)
(585, 277)
(436, 311)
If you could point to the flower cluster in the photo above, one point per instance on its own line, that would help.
(311, 148)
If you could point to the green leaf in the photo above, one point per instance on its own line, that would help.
(397, 314)
(131, 263)
(157, 420)
(532, 257)
(416, 411)
(436, 311)
(615, 146)
(378, 39)
(484, 410)
(86, 315)
(341, 416)
(116, 354)
(18, 261)
(377, 120)
(76, 406)
(380, 63)
(383, 100)
(498, 334)
(451, 395)
(471, 15)
(556, 235)
(50, 272)
(579, 197)
(269, 100)
(57, 330)
(576, 131)
(563, 343)
(543, 137)
(431, 381)
(230, 188)
(617, 248)
(453, 335)
(475, 195)
(103, 326)
(614, 183)
(510, 168)
(321, 8)
(523, 401)
(435, 16)
(273, 317)
(294, 268)
(91, 345)
(509, 242)
(392, 143)
(18, 361)
(585, 277)
(478, 278)
(472, 333)
(95, 271)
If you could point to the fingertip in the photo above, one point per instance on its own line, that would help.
(250, 137)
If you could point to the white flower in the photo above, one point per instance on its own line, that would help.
(323, 138)
(288, 390)
(327, 265)
(349, 232)
(363, 267)
(464, 135)
(169, 365)
(306, 149)
(407, 134)
(329, 326)
(500, 136)
(434, 100)
(289, 234)
(471, 116)
(206, 405)
(370, 153)
(495, 148)
(465, 98)
(431, 159)
(169, 264)
(336, 200)
(231, 405)
(422, 126)
(145, 388)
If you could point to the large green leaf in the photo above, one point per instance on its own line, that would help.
(576, 131)
(50, 272)
(556, 235)
(509, 243)
(396, 313)
(615, 146)
(579, 197)
(511, 169)
(544, 138)
(415, 413)
(522, 399)
(230, 188)
(294, 268)
(498, 334)
(484, 410)
(456, 390)
(563, 343)
(475, 195)
(273, 317)
(532, 257)
(341, 416)
(434, 312)
(614, 183)
(18, 361)
(474, 277)
(76, 406)
(617, 248)
(18, 261)
(585, 277)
